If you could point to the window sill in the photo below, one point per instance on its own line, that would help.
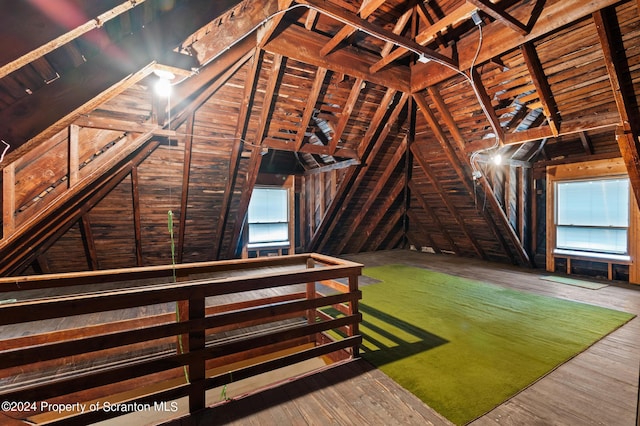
(596, 257)
(278, 244)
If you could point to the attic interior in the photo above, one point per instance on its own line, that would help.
(465, 132)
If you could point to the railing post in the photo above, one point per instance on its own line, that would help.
(196, 350)
(311, 294)
(353, 310)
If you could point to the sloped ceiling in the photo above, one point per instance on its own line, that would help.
(387, 111)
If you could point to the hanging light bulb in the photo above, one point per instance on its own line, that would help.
(163, 84)
(497, 159)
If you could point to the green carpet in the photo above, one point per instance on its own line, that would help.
(464, 347)
(572, 281)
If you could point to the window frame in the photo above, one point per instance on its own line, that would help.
(588, 170)
(594, 251)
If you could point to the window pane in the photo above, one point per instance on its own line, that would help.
(605, 240)
(602, 202)
(268, 232)
(268, 205)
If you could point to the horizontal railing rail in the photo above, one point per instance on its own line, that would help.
(193, 345)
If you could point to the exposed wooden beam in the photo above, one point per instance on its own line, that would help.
(51, 45)
(498, 39)
(137, 217)
(301, 45)
(8, 200)
(541, 83)
(456, 163)
(373, 196)
(51, 224)
(586, 143)
(424, 166)
(332, 167)
(89, 243)
(628, 133)
(500, 15)
(80, 90)
(345, 32)
(310, 106)
(390, 223)
(184, 193)
(485, 104)
(374, 124)
(353, 177)
(346, 114)
(256, 155)
(610, 121)
(367, 8)
(397, 29)
(348, 18)
(211, 88)
(74, 169)
(236, 151)
(312, 17)
(434, 218)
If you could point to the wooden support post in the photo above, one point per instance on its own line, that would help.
(353, 310)
(196, 347)
(8, 200)
(311, 294)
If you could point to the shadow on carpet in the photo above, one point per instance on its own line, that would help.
(463, 346)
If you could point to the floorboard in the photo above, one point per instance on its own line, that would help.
(597, 387)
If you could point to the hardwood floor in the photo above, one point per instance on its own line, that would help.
(597, 387)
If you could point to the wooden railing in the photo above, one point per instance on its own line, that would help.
(237, 319)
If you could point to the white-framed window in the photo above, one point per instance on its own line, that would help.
(268, 217)
(592, 215)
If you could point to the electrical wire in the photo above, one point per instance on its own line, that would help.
(6, 148)
(372, 34)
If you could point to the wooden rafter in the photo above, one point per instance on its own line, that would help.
(374, 220)
(606, 121)
(500, 15)
(236, 151)
(366, 9)
(374, 124)
(499, 39)
(360, 173)
(304, 46)
(373, 195)
(426, 35)
(628, 133)
(55, 106)
(256, 155)
(541, 83)
(55, 222)
(434, 218)
(137, 219)
(485, 104)
(457, 164)
(51, 45)
(184, 193)
(397, 29)
(88, 242)
(391, 221)
(309, 108)
(445, 201)
(352, 178)
(345, 114)
(362, 24)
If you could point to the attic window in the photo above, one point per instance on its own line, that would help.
(593, 215)
(269, 217)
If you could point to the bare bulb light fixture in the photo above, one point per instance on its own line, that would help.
(163, 84)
